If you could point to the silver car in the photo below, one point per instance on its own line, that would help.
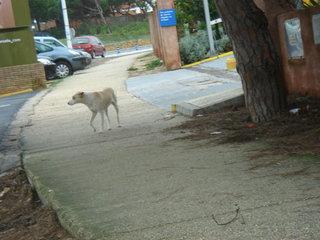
(52, 41)
(67, 60)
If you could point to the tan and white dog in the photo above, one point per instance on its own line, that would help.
(98, 102)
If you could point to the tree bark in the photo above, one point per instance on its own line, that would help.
(258, 61)
(272, 9)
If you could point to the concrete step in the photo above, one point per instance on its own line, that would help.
(211, 102)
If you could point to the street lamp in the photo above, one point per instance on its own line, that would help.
(66, 23)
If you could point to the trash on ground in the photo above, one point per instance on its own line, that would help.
(294, 111)
(215, 133)
(5, 190)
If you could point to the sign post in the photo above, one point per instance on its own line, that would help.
(209, 29)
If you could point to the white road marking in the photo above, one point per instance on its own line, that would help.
(6, 105)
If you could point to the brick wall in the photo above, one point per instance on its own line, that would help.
(22, 77)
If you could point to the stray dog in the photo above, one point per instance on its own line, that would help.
(98, 102)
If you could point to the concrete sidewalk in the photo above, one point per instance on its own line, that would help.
(137, 183)
(182, 86)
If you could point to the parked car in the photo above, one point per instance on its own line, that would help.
(67, 60)
(49, 67)
(90, 44)
(56, 43)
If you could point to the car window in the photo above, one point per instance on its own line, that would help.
(53, 43)
(80, 40)
(94, 41)
(41, 48)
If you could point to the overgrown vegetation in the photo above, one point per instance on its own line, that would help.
(153, 64)
(120, 31)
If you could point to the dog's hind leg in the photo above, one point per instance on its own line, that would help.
(94, 114)
(102, 121)
(117, 110)
(108, 119)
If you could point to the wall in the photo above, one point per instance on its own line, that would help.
(19, 69)
(6, 16)
(16, 47)
(21, 77)
(302, 75)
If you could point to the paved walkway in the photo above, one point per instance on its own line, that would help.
(134, 183)
(166, 88)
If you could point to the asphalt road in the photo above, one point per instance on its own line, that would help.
(9, 106)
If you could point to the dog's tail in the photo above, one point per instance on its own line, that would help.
(114, 97)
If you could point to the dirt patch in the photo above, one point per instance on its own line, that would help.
(146, 64)
(127, 44)
(288, 134)
(21, 214)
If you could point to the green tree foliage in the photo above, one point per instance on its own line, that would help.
(43, 10)
(191, 12)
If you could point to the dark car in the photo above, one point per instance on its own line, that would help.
(49, 67)
(90, 44)
(67, 60)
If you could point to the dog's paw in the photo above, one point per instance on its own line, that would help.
(119, 126)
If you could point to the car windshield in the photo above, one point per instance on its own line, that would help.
(81, 41)
(41, 48)
(53, 43)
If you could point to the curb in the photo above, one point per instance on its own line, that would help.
(29, 90)
(67, 219)
(208, 60)
(211, 103)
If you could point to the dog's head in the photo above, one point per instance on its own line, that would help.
(77, 98)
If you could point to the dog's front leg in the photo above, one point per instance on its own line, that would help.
(94, 114)
(102, 121)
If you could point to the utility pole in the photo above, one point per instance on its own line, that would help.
(209, 28)
(66, 23)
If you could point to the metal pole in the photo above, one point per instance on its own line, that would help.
(66, 23)
(209, 29)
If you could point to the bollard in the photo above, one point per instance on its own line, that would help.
(231, 64)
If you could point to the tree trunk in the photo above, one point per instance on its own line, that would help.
(100, 10)
(258, 62)
(272, 9)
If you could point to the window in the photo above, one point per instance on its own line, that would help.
(94, 41)
(52, 42)
(80, 40)
(294, 39)
(41, 48)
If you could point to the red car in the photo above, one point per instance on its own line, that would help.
(90, 44)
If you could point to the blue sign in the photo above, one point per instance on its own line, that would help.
(167, 17)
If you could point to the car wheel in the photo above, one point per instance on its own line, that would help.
(63, 69)
(104, 54)
(93, 55)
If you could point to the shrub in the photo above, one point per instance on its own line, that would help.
(152, 65)
(224, 44)
(194, 47)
